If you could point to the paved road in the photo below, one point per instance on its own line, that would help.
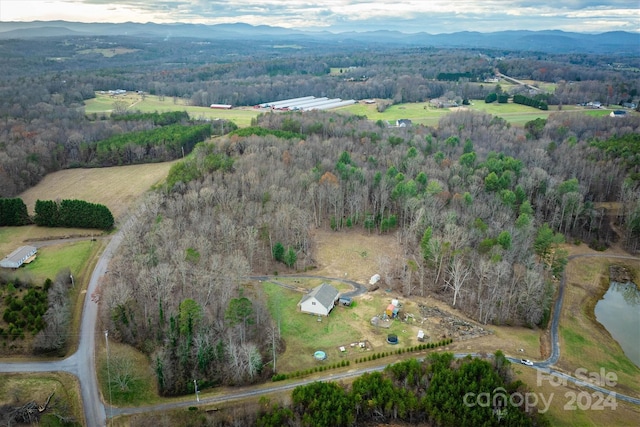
(511, 79)
(545, 365)
(82, 362)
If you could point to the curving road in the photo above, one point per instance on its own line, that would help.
(82, 362)
(545, 365)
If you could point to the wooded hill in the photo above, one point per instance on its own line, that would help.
(478, 207)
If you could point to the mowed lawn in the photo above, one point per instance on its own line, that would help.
(52, 259)
(115, 187)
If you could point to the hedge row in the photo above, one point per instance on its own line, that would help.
(502, 98)
(531, 102)
(73, 214)
(375, 356)
(418, 347)
(13, 212)
(298, 374)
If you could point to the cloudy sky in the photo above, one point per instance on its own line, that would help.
(431, 16)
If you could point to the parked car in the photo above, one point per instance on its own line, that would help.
(526, 362)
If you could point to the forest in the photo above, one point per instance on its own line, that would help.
(479, 206)
(479, 209)
(44, 83)
(415, 392)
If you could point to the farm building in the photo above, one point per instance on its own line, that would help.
(22, 255)
(221, 106)
(320, 300)
(307, 103)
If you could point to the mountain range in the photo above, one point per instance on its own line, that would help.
(551, 41)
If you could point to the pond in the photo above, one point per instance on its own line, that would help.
(619, 312)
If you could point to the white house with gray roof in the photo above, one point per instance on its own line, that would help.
(320, 301)
(18, 257)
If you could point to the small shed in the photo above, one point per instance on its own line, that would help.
(320, 300)
(22, 255)
(374, 279)
(392, 311)
(421, 335)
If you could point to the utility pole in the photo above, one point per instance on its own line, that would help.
(106, 337)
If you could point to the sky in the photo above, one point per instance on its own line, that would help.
(410, 16)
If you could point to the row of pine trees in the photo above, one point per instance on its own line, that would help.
(53, 213)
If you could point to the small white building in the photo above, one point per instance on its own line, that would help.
(24, 254)
(320, 300)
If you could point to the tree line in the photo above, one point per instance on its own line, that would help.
(72, 214)
(155, 145)
(56, 213)
(531, 102)
(436, 391)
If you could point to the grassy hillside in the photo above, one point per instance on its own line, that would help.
(115, 187)
(104, 103)
(425, 114)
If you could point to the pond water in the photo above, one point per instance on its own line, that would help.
(619, 312)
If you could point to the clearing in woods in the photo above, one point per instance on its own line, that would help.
(357, 255)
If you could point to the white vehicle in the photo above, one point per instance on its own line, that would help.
(526, 362)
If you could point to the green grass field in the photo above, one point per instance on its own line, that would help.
(420, 113)
(52, 259)
(425, 114)
(304, 334)
(104, 103)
